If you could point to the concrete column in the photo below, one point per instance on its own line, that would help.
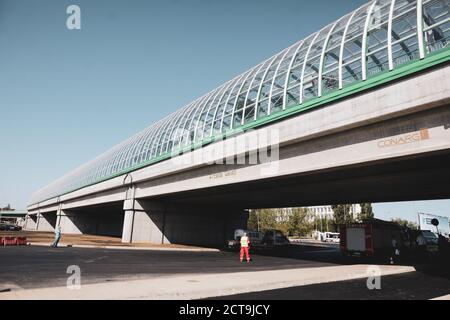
(44, 224)
(66, 221)
(128, 221)
(58, 217)
(38, 218)
(149, 228)
(30, 222)
(45, 221)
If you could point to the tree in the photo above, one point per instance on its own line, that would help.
(406, 223)
(324, 224)
(253, 220)
(293, 222)
(262, 219)
(299, 223)
(366, 212)
(342, 214)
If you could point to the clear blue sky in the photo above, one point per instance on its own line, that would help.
(67, 96)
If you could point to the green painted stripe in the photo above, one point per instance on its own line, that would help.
(432, 60)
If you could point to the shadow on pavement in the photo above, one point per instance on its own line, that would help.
(408, 286)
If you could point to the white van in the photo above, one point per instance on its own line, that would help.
(256, 238)
(332, 237)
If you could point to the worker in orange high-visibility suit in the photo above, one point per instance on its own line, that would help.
(245, 244)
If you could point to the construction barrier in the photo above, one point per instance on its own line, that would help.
(21, 241)
(13, 241)
(9, 241)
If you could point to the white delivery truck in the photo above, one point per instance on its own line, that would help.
(332, 237)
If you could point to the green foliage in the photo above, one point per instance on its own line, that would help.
(262, 219)
(366, 212)
(253, 223)
(292, 222)
(299, 223)
(406, 223)
(324, 224)
(342, 214)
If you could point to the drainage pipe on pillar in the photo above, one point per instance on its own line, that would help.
(163, 233)
(129, 212)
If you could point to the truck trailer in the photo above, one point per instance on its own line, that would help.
(371, 238)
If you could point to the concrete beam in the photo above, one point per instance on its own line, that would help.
(410, 136)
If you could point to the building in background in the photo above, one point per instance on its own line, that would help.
(16, 217)
(326, 212)
(317, 212)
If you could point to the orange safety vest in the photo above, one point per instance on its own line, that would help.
(244, 242)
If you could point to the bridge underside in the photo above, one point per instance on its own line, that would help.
(424, 177)
(147, 221)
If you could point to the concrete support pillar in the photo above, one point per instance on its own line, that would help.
(45, 223)
(66, 220)
(30, 222)
(58, 217)
(128, 222)
(38, 218)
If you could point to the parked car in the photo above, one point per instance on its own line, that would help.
(9, 227)
(275, 238)
(427, 244)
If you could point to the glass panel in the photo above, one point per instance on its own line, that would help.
(330, 75)
(352, 48)
(404, 32)
(437, 16)
(229, 107)
(186, 135)
(240, 102)
(253, 91)
(279, 81)
(194, 122)
(263, 104)
(221, 106)
(311, 76)
(295, 74)
(201, 122)
(206, 132)
(377, 38)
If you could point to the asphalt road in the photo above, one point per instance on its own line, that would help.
(37, 267)
(409, 286)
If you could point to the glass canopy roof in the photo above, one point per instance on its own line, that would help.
(392, 33)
